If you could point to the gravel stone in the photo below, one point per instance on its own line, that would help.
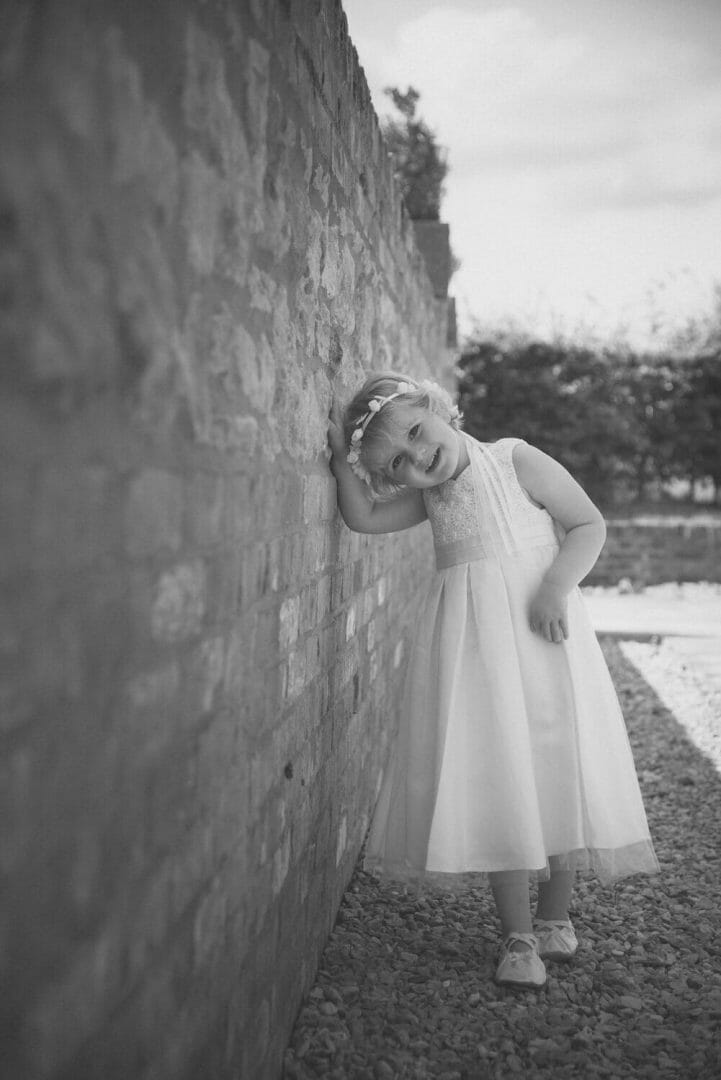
(405, 990)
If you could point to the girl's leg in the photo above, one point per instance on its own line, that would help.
(554, 895)
(510, 892)
(519, 963)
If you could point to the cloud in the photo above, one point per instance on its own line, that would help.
(596, 120)
(584, 147)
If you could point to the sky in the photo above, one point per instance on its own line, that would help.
(584, 145)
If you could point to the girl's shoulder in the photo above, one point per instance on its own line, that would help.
(507, 443)
(502, 447)
(503, 453)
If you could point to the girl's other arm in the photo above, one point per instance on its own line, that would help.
(359, 511)
(552, 487)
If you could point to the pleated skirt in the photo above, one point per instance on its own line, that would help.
(511, 750)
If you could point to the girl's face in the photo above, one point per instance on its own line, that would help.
(418, 449)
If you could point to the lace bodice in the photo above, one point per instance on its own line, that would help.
(485, 512)
(451, 509)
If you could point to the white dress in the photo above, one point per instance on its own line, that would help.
(511, 749)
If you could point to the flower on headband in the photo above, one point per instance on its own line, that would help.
(374, 406)
(362, 472)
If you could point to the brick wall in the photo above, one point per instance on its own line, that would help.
(201, 665)
(653, 550)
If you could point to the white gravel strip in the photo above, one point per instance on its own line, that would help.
(695, 704)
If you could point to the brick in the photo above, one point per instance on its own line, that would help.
(238, 517)
(266, 636)
(281, 863)
(289, 494)
(169, 804)
(314, 553)
(236, 651)
(313, 654)
(69, 1010)
(255, 575)
(288, 623)
(312, 499)
(179, 603)
(152, 920)
(336, 583)
(297, 672)
(278, 555)
(207, 671)
(266, 772)
(73, 515)
(323, 598)
(153, 513)
(348, 584)
(217, 755)
(301, 557)
(209, 925)
(369, 604)
(308, 618)
(190, 866)
(223, 586)
(329, 499)
(152, 699)
(204, 509)
(342, 841)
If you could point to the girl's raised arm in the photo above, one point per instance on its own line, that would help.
(552, 487)
(359, 511)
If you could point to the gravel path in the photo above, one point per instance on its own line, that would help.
(405, 988)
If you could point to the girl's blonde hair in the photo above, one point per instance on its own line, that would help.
(424, 394)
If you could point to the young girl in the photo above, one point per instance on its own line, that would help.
(512, 755)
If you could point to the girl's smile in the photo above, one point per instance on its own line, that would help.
(421, 451)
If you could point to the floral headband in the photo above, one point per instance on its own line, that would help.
(374, 406)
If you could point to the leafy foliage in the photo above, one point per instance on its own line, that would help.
(420, 164)
(620, 422)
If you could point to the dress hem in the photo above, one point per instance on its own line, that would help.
(608, 865)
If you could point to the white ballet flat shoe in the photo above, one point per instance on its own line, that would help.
(523, 967)
(556, 939)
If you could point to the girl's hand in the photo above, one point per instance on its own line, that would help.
(548, 615)
(336, 440)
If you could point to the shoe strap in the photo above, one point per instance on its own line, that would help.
(527, 939)
(557, 924)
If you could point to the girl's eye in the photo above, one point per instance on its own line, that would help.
(396, 461)
(414, 431)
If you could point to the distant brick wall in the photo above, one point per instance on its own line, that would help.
(201, 240)
(654, 550)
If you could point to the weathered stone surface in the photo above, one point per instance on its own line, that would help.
(203, 246)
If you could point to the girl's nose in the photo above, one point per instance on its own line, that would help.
(421, 453)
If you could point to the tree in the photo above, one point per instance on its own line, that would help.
(420, 164)
(569, 401)
(697, 420)
(619, 421)
(697, 404)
